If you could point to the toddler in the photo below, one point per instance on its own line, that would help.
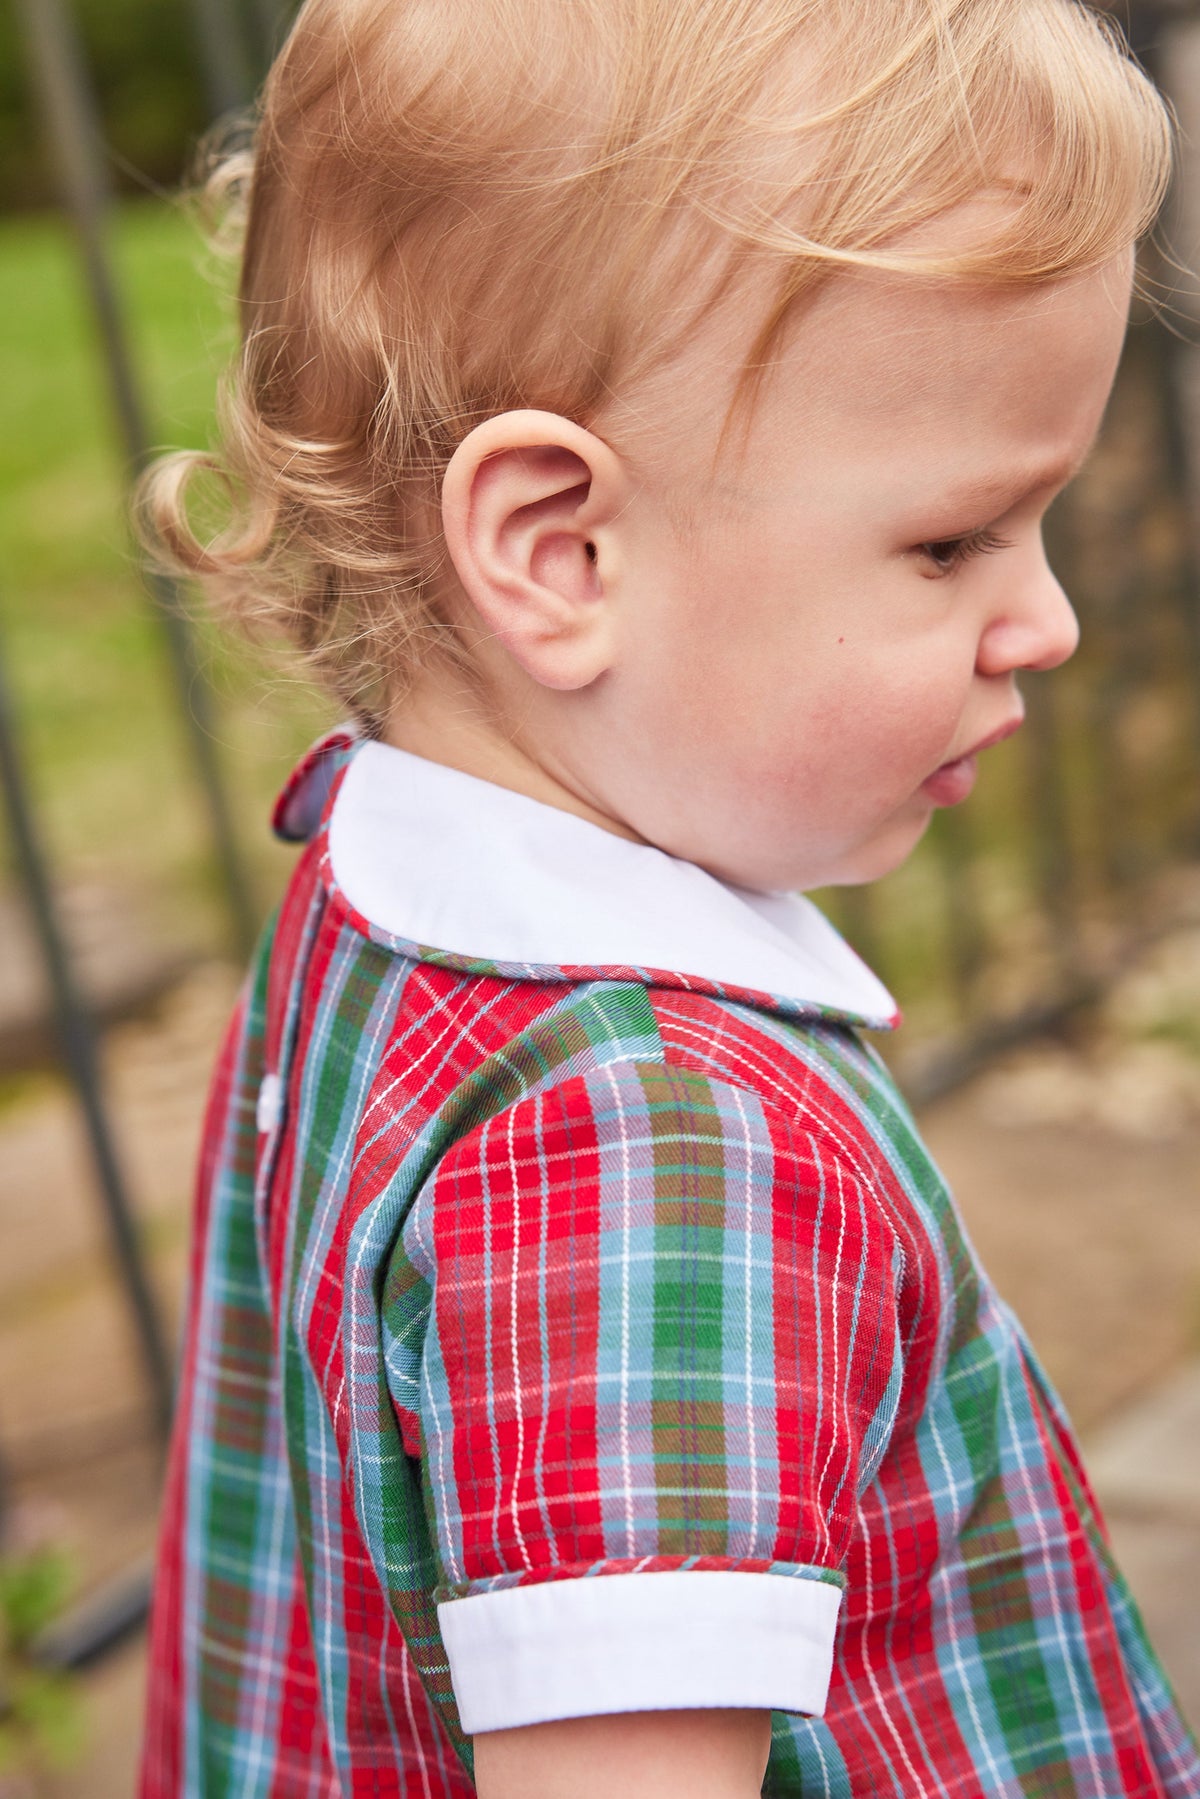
(645, 418)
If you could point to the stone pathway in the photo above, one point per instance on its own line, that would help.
(1146, 1470)
(121, 956)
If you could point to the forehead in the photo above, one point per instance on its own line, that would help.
(888, 343)
(891, 380)
(975, 375)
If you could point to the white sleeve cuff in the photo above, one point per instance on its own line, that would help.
(674, 1641)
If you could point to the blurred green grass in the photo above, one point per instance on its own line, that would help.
(83, 650)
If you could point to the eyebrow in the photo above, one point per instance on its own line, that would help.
(994, 493)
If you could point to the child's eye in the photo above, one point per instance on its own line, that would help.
(951, 552)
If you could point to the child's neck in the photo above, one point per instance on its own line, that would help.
(446, 723)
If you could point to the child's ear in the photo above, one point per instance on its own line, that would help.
(528, 504)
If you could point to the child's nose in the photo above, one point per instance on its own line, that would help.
(1035, 627)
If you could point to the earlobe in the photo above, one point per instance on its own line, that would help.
(530, 511)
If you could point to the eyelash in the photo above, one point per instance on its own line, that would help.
(958, 550)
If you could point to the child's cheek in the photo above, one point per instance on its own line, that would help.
(878, 734)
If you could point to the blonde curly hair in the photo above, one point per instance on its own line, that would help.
(451, 210)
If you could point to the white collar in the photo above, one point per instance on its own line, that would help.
(448, 862)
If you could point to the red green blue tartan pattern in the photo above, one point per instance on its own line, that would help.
(548, 1275)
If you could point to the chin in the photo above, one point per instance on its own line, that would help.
(759, 869)
(879, 856)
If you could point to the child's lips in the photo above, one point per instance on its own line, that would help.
(953, 782)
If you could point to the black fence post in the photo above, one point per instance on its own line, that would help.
(270, 20)
(224, 54)
(79, 1057)
(1172, 30)
(59, 76)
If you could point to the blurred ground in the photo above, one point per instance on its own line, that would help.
(1077, 1168)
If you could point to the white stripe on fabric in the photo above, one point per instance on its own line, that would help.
(746, 1223)
(269, 1106)
(626, 1268)
(514, 1310)
(676, 1641)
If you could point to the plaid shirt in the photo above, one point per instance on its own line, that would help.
(577, 1333)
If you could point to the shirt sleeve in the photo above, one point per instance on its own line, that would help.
(662, 1361)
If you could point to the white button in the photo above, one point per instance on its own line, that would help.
(270, 1102)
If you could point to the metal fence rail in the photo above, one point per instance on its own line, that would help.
(235, 43)
(58, 72)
